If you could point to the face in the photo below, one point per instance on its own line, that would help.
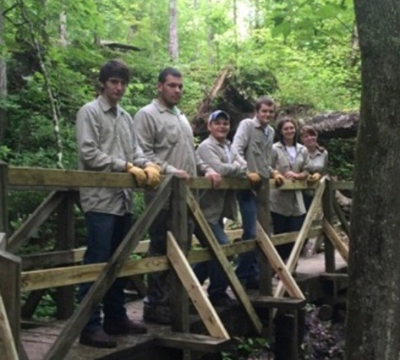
(288, 131)
(219, 128)
(170, 91)
(309, 140)
(114, 89)
(265, 114)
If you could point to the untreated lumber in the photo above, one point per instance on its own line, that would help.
(195, 342)
(179, 227)
(73, 327)
(8, 348)
(261, 301)
(270, 252)
(48, 278)
(35, 220)
(37, 178)
(195, 291)
(336, 241)
(220, 256)
(327, 207)
(10, 288)
(340, 214)
(4, 187)
(298, 245)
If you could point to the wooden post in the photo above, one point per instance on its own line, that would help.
(3, 197)
(7, 343)
(179, 299)
(65, 240)
(263, 217)
(10, 284)
(287, 336)
(327, 204)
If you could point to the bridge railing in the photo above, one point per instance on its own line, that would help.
(61, 268)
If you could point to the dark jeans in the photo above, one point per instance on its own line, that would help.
(284, 224)
(105, 233)
(159, 284)
(212, 269)
(247, 269)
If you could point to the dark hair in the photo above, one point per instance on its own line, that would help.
(266, 100)
(114, 68)
(310, 130)
(162, 76)
(279, 127)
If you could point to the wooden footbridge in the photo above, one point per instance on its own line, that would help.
(190, 336)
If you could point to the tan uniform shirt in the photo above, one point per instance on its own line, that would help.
(166, 137)
(254, 144)
(288, 202)
(226, 161)
(106, 141)
(318, 162)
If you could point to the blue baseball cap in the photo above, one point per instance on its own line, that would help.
(216, 114)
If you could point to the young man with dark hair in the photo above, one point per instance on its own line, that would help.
(166, 138)
(253, 141)
(107, 142)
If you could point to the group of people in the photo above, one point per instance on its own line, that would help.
(159, 140)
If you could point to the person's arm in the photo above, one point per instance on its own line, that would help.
(88, 137)
(145, 128)
(210, 156)
(241, 138)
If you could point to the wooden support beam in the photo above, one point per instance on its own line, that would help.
(269, 250)
(336, 241)
(65, 240)
(194, 289)
(55, 277)
(260, 301)
(327, 205)
(342, 218)
(4, 187)
(194, 342)
(3, 241)
(298, 245)
(96, 292)
(179, 227)
(34, 221)
(286, 337)
(8, 349)
(219, 255)
(263, 218)
(342, 185)
(38, 178)
(10, 271)
(31, 303)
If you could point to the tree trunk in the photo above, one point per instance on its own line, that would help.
(3, 78)
(373, 326)
(63, 29)
(173, 47)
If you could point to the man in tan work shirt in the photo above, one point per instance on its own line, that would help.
(107, 143)
(166, 137)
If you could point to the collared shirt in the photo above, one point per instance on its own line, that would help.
(288, 202)
(166, 137)
(254, 143)
(106, 142)
(226, 161)
(318, 162)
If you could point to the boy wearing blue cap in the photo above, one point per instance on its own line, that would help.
(217, 152)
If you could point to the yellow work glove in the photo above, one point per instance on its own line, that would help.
(253, 178)
(153, 174)
(312, 179)
(278, 177)
(138, 173)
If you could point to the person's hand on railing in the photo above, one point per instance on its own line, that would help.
(254, 178)
(278, 177)
(215, 178)
(153, 174)
(313, 178)
(138, 173)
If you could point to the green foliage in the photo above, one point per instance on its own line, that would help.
(247, 348)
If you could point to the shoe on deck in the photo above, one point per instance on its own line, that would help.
(97, 339)
(123, 327)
